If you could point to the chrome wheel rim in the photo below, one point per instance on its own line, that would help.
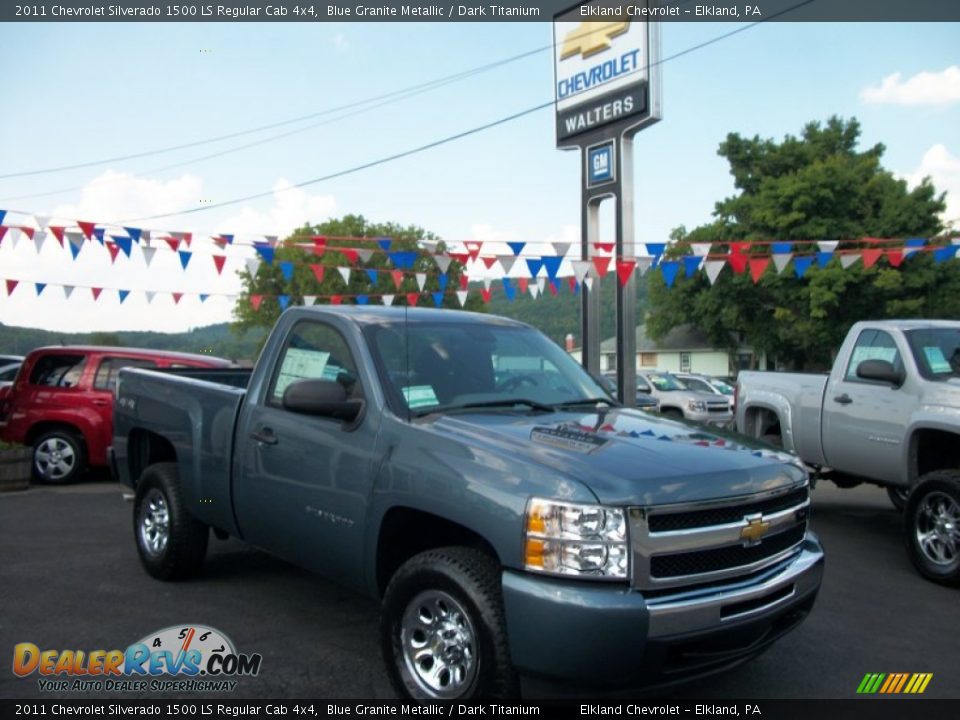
(439, 645)
(154, 523)
(938, 528)
(55, 458)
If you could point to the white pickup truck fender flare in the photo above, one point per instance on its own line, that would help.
(779, 406)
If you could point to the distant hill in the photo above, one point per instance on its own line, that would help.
(553, 315)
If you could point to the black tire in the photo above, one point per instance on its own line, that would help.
(466, 583)
(672, 413)
(898, 496)
(775, 440)
(59, 457)
(933, 509)
(181, 554)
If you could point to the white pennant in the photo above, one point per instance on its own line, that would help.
(67, 291)
(780, 260)
(42, 221)
(534, 290)
(309, 300)
(13, 234)
(700, 249)
(541, 283)
(486, 283)
(442, 261)
(148, 253)
(387, 299)
(39, 239)
(145, 236)
(581, 268)
(561, 249)
(364, 254)
(271, 240)
(588, 282)
(345, 274)
(253, 265)
(462, 297)
(828, 245)
(150, 295)
(713, 268)
(421, 280)
(75, 238)
(507, 262)
(643, 264)
(847, 260)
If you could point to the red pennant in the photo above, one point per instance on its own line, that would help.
(57, 231)
(870, 256)
(524, 284)
(87, 228)
(176, 298)
(318, 241)
(28, 231)
(319, 250)
(350, 254)
(464, 281)
(757, 266)
(739, 248)
(96, 292)
(113, 249)
(473, 249)
(11, 286)
(317, 271)
(173, 243)
(219, 260)
(872, 241)
(604, 247)
(552, 284)
(894, 257)
(625, 270)
(412, 299)
(459, 257)
(489, 261)
(602, 264)
(397, 276)
(255, 301)
(737, 262)
(485, 293)
(187, 238)
(336, 299)
(220, 242)
(572, 281)
(3, 231)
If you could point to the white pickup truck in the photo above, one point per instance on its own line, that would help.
(889, 414)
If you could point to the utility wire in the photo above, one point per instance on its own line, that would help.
(457, 136)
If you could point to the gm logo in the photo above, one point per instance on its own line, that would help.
(600, 159)
(590, 38)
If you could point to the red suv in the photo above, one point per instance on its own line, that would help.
(61, 403)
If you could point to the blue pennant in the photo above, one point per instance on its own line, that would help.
(443, 280)
(3, 214)
(134, 233)
(123, 295)
(534, 265)
(945, 253)
(284, 301)
(185, 256)
(402, 260)
(264, 251)
(98, 233)
(124, 243)
(552, 264)
(801, 264)
(823, 258)
(286, 267)
(437, 298)
(517, 247)
(74, 250)
(384, 243)
(363, 299)
(40, 286)
(656, 250)
(915, 242)
(204, 296)
(669, 270)
(691, 263)
(372, 274)
(781, 248)
(508, 289)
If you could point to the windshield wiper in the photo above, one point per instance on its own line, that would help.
(492, 404)
(587, 401)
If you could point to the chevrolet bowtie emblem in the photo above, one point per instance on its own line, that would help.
(756, 528)
(589, 38)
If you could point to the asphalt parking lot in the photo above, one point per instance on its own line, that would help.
(70, 579)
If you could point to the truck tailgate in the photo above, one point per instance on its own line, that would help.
(197, 418)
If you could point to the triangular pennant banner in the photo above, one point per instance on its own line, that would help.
(218, 261)
(148, 253)
(384, 243)
(150, 295)
(507, 262)
(738, 262)
(67, 291)
(462, 297)
(387, 299)
(345, 273)
(485, 294)
(516, 247)
(894, 257)
(364, 254)
(802, 263)
(691, 264)
(580, 269)
(264, 251)
(625, 270)
(534, 265)
(57, 231)
(421, 280)
(11, 286)
(402, 260)
(185, 256)
(256, 301)
(700, 249)
(86, 228)
(437, 298)
(442, 261)
(561, 249)
(309, 300)
(848, 259)
(124, 243)
(284, 301)
(123, 295)
(113, 250)
(602, 264)
(781, 260)
(134, 233)
(870, 256)
(177, 297)
(443, 280)
(828, 246)
(713, 268)
(412, 298)
(40, 288)
(669, 269)
(643, 264)
(552, 265)
(286, 267)
(95, 291)
(588, 282)
(317, 271)
(757, 268)
(372, 275)
(362, 299)
(655, 250)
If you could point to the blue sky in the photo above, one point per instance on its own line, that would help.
(85, 91)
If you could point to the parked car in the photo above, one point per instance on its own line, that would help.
(709, 384)
(643, 401)
(521, 526)
(9, 371)
(61, 403)
(676, 401)
(10, 359)
(888, 414)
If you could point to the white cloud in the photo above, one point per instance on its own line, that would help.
(943, 168)
(292, 207)
(924, 88)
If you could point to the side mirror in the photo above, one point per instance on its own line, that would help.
(881, 371)
(324, 398)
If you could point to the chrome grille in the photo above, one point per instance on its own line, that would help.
(679, 545)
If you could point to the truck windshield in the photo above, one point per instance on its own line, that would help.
(936, 351)
(665, 382)
(435, 367)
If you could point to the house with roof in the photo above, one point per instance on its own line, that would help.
(684, 349)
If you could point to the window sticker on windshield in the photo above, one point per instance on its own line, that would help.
(938, 363)
(418, 396)
(299, 364)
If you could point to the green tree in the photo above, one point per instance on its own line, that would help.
(817, 186)
(271, 283)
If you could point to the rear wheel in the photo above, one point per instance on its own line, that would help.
(932, 526)
(59, 457)
(672, 413)
(171, 542)
(898, 496)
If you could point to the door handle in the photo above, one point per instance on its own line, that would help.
(843, 399)
(264, 436)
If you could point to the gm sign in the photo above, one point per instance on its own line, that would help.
(600, 164)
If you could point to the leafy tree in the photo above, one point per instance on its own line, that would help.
(270, 281)
(814, 187)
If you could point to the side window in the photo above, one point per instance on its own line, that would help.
(106, 377)
(63, 371)
(872, 345)
(314, 351)
(696, 384)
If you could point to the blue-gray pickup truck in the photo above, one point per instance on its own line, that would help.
(514, 521)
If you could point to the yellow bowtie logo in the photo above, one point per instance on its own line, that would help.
(589, 38)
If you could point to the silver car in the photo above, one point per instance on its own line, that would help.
(710, 385)
(677, 401)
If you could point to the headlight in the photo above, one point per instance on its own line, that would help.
(579, 540)
(697, 405)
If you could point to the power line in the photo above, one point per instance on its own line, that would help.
(457, 136)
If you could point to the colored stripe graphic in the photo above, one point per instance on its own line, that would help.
(894, 683)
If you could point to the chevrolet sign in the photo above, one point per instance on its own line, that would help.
(754, 531)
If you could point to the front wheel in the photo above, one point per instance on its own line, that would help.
(442, 629)
(932, 526)
(171, 542)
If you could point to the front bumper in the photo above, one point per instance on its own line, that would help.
(709, 418)
(598, 634)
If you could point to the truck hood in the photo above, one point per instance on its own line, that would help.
(627, 457)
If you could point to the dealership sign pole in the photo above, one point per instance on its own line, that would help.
(607, 86)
